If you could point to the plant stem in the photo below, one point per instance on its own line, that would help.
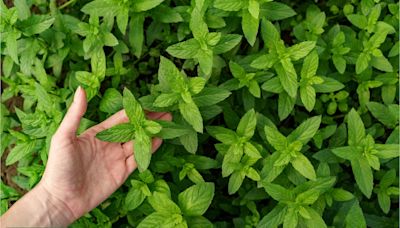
(66, 4)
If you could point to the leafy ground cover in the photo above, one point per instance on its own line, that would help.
(285, 112)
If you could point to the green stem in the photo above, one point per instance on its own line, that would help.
(66, 4)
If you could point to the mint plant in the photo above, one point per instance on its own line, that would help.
(139, 128)
(363, 153)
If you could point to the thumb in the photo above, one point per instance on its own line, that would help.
(70, 123)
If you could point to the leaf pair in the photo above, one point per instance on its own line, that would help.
(178, 89)
(239, 152)
(288, 150)
(295, 205)
(204, 44)
(280, 57)
(363, 153)
(193, 203)
(138, 128)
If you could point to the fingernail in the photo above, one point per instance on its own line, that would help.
(78, 92)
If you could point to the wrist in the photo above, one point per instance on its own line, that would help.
(38, 208)
(58, 212)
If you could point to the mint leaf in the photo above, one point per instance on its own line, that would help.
(111, 101)
(355, 127)
(119, 133)
(303, 166)
(306, 130)
(363, 175)
(195, 200)
(247, 124)
(191, 114)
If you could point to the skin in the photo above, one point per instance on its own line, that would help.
(82, 171)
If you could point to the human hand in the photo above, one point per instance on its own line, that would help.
(81, 172)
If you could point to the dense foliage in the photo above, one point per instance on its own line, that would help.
(284, 112)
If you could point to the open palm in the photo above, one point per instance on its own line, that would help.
(82, 171)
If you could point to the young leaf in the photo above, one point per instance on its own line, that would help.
(355, 127)
(303, 166)
(195, 200)
(247, 124)
(363, 175)
(142, 148)
(132, 108)
(118, 133)
(306, 130)
(191, 114)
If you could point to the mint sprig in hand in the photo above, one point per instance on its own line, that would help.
(138, 128)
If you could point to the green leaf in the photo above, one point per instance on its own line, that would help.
(269, 34)
(229, 5)
(340, 63)
(132, 108)
(251, 151)
(275, 138)
(136, 35)
(195, 200)
(199, 222)
(347, 152)
(355, 216)
(276, 11)
(355, 127)
(310, 65)
(362, 62)
(277, 192)
(363, 175)
(250, 27)
(339, 194)
(226, 43)
(122, 20)
(142, 149)
(98, 63)
(306, 130)
(307, 95)
(329, 85)
(388, 115)
(247, 124)
(287, 76)
(274, 218)
(144, 5)
(360, 21)
(285, 105)
(153, 220)
(166, 99)
(111, 101)
(184, 50)
(118, 133)
(291, 219)
(162, 203)
(381, 63)
(236, 70)
(101, 8)
(35, 24)
(172, 130)
(384, 202)
(300, 50)
(303, 166)
(20, 151)
(134, 198)
(191, 114)
(235, 181)
(210, 96)
(205, 58)
(226, 136)
(387, 151)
